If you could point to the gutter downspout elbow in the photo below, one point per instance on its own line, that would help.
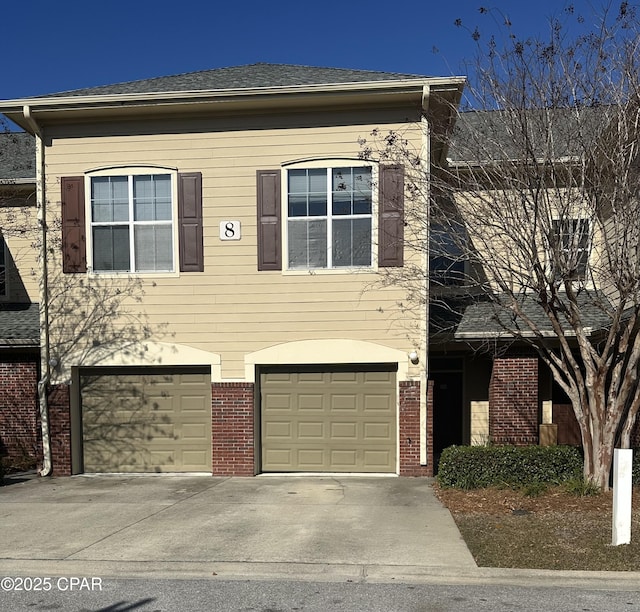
(43, 286)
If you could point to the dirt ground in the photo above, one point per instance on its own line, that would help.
(497, 502)
(555, 530)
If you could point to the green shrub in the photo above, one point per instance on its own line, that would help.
(635, 472)
(474, 467)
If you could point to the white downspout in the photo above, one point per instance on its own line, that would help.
(43, 286)
(425, 158)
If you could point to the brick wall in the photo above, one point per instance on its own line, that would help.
(233, 414)
(430, 459)
(410, 432)
(19, 426)
(513, 401)
(232, 407)
(60, 429)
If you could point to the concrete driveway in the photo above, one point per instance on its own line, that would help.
(320, 527)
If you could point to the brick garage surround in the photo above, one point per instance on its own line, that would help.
(233, 431)
(19, 424)
(513, 401)
(232, 424)
(233, 415)
(409, 406)
(60, 429)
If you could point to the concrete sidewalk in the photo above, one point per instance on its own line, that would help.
(360, 529)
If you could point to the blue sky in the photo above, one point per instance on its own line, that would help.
(69, 44)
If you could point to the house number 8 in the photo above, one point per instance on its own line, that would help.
(229, 230)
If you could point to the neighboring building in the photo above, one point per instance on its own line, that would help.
(19, 328)
(489, 386)
(214, 301)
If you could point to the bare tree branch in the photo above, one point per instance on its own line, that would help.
(535, 217)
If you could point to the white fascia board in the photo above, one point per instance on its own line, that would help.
(18, 343)
(491, 335)
(199, 95)
(570, 159)
(17, 181)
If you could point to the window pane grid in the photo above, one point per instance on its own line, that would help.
(307, 243)
(330, 217)
(111, 248)
(110, 199)
(153, 248)
(571, 238)
(132, 223)
(351, 191)
(152, 198)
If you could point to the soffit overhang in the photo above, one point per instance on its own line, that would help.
(58, 110)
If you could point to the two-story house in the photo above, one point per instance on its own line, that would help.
(214, 242)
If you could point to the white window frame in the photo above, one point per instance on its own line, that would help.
(585, 251)
(328, 164)
(130, 172)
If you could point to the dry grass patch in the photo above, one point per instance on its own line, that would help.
(554, 530)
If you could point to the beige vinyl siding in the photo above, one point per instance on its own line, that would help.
(488, 227)
(232, 309)
(19, 227)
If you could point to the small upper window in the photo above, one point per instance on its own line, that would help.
(571, 243)
(329, 217)
(447, 259)
(132, 223)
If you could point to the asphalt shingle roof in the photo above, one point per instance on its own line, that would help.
(482, 136)
(19, 324)
(485, 319)
(17, 156)
(248, 76)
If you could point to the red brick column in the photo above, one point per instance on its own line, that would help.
(410, 431)
(430, 427)
(19, 430)
(60, 429)
(232, 407)
(513, 401)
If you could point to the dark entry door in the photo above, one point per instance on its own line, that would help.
(447, 411)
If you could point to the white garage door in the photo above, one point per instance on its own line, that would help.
(146, 420)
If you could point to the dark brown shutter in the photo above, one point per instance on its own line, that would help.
(269, 229)
(190, 222)
(74, 237)
(391, 217)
